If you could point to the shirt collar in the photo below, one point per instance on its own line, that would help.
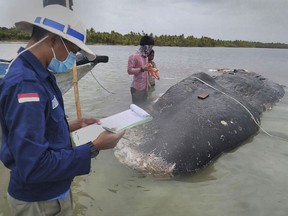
(35, 64)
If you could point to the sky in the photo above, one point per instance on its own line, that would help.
(250, 20)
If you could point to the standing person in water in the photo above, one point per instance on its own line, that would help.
(153, 71)
(138, 67)
(36, 144)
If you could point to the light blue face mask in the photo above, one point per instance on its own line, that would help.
(62, 66)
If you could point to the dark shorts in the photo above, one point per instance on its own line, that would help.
(138, 97)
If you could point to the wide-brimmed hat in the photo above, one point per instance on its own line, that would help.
(60, 21)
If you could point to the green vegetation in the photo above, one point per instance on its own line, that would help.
(115, 38)
(12, 34)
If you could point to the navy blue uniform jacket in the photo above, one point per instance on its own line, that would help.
(36, 143)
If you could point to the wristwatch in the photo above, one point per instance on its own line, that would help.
(142, 70)
(93, 150)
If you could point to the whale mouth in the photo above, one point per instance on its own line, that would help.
(150, 164)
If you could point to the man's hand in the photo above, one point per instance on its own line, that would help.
(83, 122)
(107, 140)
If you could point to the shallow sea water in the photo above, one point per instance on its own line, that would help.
(250, 180)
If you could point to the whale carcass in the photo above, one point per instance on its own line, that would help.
(197, 120)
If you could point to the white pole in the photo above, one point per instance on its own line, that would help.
(67, 4)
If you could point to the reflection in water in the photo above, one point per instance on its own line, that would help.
(201, 176)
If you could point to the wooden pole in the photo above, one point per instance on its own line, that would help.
(75, 80)
(76, 92)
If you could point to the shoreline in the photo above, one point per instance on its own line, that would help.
(100, 44)
(13, 42)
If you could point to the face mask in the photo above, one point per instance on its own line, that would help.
(146, 49)
(59, 66)
(62, 66)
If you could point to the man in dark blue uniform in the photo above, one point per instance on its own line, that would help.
(36, 145)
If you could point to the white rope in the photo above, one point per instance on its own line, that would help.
(24, 51)
(101, 84)
(253, 118)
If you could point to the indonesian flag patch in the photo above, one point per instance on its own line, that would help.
(28, 97)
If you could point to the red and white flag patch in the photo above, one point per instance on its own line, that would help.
(28, 97)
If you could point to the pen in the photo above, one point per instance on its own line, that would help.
(108, 129)
(112, 131)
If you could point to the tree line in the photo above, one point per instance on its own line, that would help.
(132, 38)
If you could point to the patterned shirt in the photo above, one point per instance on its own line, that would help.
(137, 61)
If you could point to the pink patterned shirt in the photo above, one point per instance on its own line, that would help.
(141, 79)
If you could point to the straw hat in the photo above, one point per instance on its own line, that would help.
(60, 21)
